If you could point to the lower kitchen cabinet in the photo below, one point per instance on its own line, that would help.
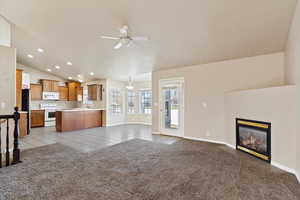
(37, 118)
(23, 124)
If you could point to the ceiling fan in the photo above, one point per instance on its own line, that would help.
(125, 39)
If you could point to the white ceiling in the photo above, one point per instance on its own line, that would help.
(182, 33)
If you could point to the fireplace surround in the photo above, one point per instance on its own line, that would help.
(254, 138)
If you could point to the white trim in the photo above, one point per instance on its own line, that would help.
(181, 82)
(231, 146)
(142, 123)
(203, 140)
(128, 123)
(115, 124)
(282, 167)
(156, 133)
(298, 177)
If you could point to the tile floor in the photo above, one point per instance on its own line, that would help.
(91, 139)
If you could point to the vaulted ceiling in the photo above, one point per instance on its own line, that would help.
(181, 33)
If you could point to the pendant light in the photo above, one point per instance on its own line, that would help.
(130, 86)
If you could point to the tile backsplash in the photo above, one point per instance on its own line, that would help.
(60, 104)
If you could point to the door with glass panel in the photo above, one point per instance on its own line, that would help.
(172, 107)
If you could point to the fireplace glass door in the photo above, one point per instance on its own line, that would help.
(254, 137)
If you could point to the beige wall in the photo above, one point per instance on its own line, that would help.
(5, 33)
(292, 68)
(208, 83)
(37, 75)
(7, 88)
(7, 79)
(276, 105)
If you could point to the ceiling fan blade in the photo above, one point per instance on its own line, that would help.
(118, 45)
(124, 31)
(110, 38)
(140, 38)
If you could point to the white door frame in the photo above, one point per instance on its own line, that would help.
(161, 107)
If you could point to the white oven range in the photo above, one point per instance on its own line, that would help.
(50, 110)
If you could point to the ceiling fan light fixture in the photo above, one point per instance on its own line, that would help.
(118, 45)
(129, 87)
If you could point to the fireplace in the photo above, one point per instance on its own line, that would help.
(254, 138)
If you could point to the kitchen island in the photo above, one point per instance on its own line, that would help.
(77, 119)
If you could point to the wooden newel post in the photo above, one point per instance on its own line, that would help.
(16, 150)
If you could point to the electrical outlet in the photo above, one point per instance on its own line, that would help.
(3, 105)
(207, 133)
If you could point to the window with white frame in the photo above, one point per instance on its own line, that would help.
(146, 101)
(116, 101)
(130, 102)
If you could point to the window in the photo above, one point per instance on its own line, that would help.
(130, 102)
(116, 101)
(146, 101)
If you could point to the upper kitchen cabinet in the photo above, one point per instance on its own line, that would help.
(73, 87)
(63, 93)
(79, 93)
(19, 73)
(36, 91)
(95, 92)
(50, 85)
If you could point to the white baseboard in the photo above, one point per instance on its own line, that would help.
(231, 146)
(284, 168)
(127, 123)
(298, 177)
(139, 123)
(115, 124)
(156, 133)
(203, 140)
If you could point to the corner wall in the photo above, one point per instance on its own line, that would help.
(276, 105)
(7, 79)
(5, 33)
(208, 84)
(293, 70)
(7, 89)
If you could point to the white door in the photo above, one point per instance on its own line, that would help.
(172, 107)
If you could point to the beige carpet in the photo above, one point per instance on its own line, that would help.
(142, 170)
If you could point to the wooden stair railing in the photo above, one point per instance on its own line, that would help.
(4, 119)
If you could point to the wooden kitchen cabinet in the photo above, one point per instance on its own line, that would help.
(50, 85)
(36, 92)
(79, 93)
(23, 124)
(73, 86)
(63, 93)
(37, 118)
(19, 73)
(95, 92)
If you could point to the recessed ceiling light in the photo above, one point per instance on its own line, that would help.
(80, 80)
(40, 50)
(49, 70)
(70, 78)
(92, 73)
(30, 56)
(79, 75)
(57, 67)
(69, 63)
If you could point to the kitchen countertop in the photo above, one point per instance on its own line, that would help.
(79, 109)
